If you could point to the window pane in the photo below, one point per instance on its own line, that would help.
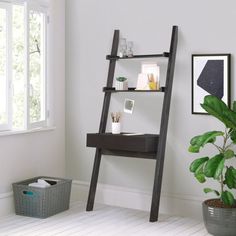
(36, 66)
(3, 66)
(18, 78)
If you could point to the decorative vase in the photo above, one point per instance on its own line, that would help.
(219, 221)
(115, 128)
(122, 85)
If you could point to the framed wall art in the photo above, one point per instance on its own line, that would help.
(210, 76)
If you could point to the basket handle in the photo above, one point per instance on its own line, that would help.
(28, 193)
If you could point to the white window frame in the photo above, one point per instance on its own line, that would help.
(28, 6)
(42, 123)
(8, 8)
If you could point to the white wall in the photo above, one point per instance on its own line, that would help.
(203, 28)
(41, 153)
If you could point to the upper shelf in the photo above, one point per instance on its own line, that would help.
(131, 89)
(164, 54)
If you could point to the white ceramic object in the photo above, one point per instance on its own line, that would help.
(115, 128)
(122, 85)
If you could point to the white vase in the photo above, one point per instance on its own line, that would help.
(122, 85)
(115, 128)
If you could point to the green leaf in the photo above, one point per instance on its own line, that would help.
(230, 177)
(199, 175)
(233, 135)
(209, 190)
(217, 108)
(212, 166)
(234, 106)
(199, 170)
(199, 141)
(227, 198)
(229, 154)
(194, 149)
(195, 164)
(219, 169)
(200, 178)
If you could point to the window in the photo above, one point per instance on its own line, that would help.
(5, 66)
(23, 72)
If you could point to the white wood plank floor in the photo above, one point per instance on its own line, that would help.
(103, 221)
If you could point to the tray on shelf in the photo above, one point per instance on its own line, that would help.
(144, 143)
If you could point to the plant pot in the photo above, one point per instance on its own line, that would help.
(219, 221)
(121, 85)
(115, 128)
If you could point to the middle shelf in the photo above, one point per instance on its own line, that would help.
(125, 144)
(132, 89)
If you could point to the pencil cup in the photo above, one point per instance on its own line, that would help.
(115, 128)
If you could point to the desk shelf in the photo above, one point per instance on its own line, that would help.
(143, 145)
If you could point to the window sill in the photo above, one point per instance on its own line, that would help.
(16, 132)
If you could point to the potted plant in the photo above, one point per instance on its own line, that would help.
(219, 214)
(121, 83)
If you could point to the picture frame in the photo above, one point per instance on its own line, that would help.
(128, 106)
(149, 78)
(210, 76)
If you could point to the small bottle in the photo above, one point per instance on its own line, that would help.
(123, 47)
(130, 45)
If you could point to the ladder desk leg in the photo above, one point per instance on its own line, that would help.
(94, 180)
(103, 123)
(156, 194)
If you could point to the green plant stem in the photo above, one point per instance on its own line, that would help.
(218, 148)
(223, 149)
(229, 145)
(222, 183)
(226, 137)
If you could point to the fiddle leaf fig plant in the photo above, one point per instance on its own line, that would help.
(216, 167)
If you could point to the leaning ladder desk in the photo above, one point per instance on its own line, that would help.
(149, 146)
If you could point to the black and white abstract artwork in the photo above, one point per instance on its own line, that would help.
(210, 75)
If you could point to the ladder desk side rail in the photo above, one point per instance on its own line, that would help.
(103, 123)
(163, 128)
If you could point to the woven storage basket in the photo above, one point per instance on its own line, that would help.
(41, 202)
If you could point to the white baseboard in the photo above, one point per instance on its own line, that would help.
(6, 204)
(174, 204)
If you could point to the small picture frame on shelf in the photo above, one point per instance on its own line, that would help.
(129, 106)
(149, 78)
(210, 76)
(142, 83)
